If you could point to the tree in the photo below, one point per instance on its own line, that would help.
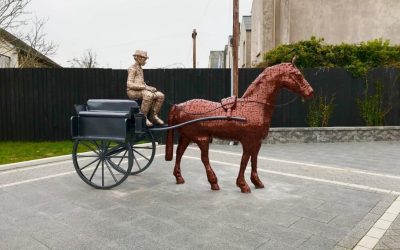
(37, 43)
(34, 53)
(10, 11)
(88, 60)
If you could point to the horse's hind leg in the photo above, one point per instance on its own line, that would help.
(182, 145)
(254, 175)
(203, 144)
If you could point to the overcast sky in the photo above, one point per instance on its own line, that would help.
(115, 29)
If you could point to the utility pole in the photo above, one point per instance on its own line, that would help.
(194, 35)
(235, 47)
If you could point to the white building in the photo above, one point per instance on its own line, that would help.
(216, 59)
(14, 53)
(244, 52)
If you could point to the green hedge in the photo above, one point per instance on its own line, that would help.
(357, 58)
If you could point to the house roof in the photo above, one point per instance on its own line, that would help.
(18, 43)
(247, 22)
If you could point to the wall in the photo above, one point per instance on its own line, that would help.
(287, 21)
(8, 50)
(345, 21)
(216, 59)
(228, 54)
(244, 48)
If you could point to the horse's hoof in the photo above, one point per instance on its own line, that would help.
(256, 181)
(245, 189)
(214, 187)
(180, 180)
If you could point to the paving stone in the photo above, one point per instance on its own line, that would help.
(380, 209)
(388, 217)
(349, 241)
(274, 244)
(340, 248)
(313, 214)
(380, 246)
(376, 232)
(393, 232)
(361, 248)
(391, 242)
(318, 242)
(368, 221)
(290, 236)
(139, 240)
(368, 242)
(235, 236)
(382, 224)
(346, 220)
(13, 238)
(319, 228)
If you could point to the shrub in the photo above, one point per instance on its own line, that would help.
(356, 58)
(371, 106)
(320, 111)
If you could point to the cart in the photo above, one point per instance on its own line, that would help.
(113, 142)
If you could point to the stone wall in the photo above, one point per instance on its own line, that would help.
(330, 134)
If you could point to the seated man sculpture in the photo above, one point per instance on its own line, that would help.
(152, 100)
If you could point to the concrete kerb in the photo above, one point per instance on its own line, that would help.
(31, 163)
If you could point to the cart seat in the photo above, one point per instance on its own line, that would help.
(111, 105)
(105, 114)
(108, 108)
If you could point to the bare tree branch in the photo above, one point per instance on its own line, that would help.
(10, 11)
(88, 60)
(36, 40)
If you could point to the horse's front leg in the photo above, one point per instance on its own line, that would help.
(254, 175)
(182, 145)
(203, 144)
(240, 181)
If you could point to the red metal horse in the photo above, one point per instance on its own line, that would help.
(256, 105)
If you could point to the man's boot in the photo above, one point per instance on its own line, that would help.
(145, 108)
(155, 110)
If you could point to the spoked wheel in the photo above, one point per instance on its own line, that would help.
(144, 148)
(102, 164)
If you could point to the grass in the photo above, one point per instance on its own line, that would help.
(16, 151)
(23, 151)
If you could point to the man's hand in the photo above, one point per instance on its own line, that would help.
(152, 89)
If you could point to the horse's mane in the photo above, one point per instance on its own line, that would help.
(267, 73)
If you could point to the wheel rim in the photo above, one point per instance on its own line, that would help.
(102, 163)
(144, 152)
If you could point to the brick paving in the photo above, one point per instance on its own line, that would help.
(316, 196)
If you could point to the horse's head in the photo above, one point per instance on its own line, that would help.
(293, 79)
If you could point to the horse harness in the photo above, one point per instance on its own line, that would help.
(228, 104)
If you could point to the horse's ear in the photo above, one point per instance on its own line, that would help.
(294, 60)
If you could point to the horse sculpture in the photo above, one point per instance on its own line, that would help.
(256, 105)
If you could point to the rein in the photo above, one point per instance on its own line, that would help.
(272, 105)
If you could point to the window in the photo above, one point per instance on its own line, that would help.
(4, 61)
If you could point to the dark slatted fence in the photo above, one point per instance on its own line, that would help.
(36, 104)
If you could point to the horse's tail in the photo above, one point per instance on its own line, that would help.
(169, 143)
